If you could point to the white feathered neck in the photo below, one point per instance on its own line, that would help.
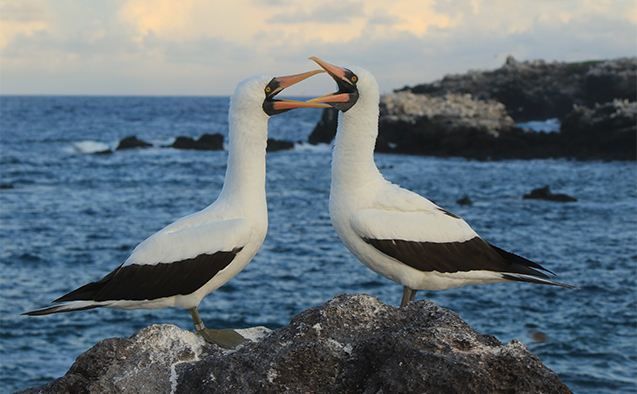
(247, 140)
(353, 157)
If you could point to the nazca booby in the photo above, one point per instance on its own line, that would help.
(393, 231)
(190, 258)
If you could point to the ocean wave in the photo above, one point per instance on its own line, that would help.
(548, 125)
(90, 147)
(306, 147)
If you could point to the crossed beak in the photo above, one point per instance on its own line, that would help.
(275, 106)
(347, 93)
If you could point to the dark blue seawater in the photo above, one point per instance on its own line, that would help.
(73, 216)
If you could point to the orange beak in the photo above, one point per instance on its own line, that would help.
(276, 106)
(334, 71)
(347, 93)
(287, 81)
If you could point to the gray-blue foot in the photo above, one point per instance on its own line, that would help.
(227, 339)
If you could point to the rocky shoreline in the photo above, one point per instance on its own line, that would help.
(205, 142)
(475, 115)
(351, 344)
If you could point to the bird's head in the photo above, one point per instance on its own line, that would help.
(354, 83)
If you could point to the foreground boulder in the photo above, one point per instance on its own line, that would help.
(351, 344)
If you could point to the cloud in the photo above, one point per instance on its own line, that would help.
(335, 12)
(382, 17)
(24, 18)
(203, 47)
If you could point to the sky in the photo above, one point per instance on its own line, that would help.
(206, 47)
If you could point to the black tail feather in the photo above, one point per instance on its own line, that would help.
(521, 265)
(88, 291)
(530, 279)
(58, 309)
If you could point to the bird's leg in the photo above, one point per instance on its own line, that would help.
(227, 339)
(408, 296)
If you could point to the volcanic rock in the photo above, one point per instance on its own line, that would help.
(351, 344)
(606, 131)
(453, 125)
(464, 201)
(205, 142)
(277, 145)
(544, 193)
(132, 142)
(472, 115)
(536, 90)
(325, 129)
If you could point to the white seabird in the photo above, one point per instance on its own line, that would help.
(397, 233)
(188, 259)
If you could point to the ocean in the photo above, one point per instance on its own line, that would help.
(69, 216)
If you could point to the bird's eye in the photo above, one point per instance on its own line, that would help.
(268, 89)
(354, 78)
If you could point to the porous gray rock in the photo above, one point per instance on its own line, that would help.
(452, 125)
(144, 363)
(455, 111)
(536, 90)
(351, 344)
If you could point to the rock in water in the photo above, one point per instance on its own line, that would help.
(544, 193)
(205, 142)
(464, 201)
(277, 145)
(325, 129)
(606, 131)
(132, 142)
(351, 344)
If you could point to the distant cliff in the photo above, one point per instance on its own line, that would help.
(536, 90)
(474, 115)
(351, 344)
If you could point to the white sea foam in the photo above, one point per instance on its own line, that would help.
(306, 147)
(549, 125)
(90, 147)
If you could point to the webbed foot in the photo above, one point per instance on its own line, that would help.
(227, 339)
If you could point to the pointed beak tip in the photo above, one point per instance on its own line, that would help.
(287, 81)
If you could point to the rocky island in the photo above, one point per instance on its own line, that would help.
(476, 115)
(351, 344)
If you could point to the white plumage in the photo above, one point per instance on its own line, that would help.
(393, 231)
(195, 255)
